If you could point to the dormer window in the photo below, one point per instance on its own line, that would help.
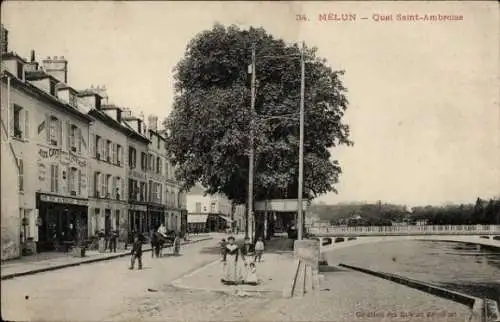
(52, 88)
(20, 70)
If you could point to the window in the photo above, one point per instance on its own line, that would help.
(151, 162)
(97, 185)
(21, 174)
(158, 165)
(143, 191)
(79, 183)
(118, 154)
(143, 161)
(150, 189)
(98, 147)
(198, 207)
(132, 156)
(108, 186)
(118, 185)
(131, 189)
(19, 119)
(73, 138)
(54, 178)
(109, 151)
(160, 192)
(73, 181)
(53, 131)
(158, 143)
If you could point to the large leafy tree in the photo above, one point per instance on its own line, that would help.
(208, 128)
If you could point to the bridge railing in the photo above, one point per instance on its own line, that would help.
(409, 229)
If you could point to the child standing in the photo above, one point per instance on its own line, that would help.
(252, 278)
(136, 252)
(222, 245)
(259, 249)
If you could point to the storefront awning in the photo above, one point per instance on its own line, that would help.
(227, 219)
(197, 219)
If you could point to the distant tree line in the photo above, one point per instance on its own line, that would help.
(485, 212)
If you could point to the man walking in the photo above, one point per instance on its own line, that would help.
(112, 241)
(259, 250)
(136, 252)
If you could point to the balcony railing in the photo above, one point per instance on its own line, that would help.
(407, 230)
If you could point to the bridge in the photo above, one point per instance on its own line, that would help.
(333, 237)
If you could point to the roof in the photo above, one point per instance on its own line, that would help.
(196, 219)
(12, 54)
(33, 90)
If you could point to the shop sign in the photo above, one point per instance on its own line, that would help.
(138, 207)
(63, 200)
(64, 157)
(136, 174)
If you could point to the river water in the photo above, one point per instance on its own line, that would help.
(456, 266)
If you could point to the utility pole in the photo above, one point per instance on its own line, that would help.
(300, 215)
(251, 153)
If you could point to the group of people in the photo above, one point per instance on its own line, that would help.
(238, 267)
(138, 240)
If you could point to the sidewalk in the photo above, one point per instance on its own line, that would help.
(51, 261)
(274, 273)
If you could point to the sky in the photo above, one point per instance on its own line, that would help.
(424, 97)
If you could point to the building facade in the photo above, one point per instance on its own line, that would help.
(108, 204)
(137, 149)
(50, 140)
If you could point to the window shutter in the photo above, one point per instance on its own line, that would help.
(79, 187)
(90, 183)
(103, 186)
(92, 145)
(79, 139)
(64, 182)
(26, 124)
(113, 189)
(68, 135)
(113, 148)
(11, 120)
(59, 125)
(47, 127)
(122, 195)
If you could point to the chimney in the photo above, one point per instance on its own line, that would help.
(57, 67)
(153, 123)
(4, 40)
(32, 65)
(101, 90)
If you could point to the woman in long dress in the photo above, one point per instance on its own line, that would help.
(233, 260)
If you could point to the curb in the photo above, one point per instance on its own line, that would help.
(474, 303)
(101, 259)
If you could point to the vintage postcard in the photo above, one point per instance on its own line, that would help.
(250, 161)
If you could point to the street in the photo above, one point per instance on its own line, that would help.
(101, 291)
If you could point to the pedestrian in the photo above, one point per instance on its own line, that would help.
(177, 245)
(222, 245)
(251, 277)
(247, 244)
(136, 252)
(259, 250)
(112, 241)
(233, 260)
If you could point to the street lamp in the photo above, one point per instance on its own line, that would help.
(301, 139)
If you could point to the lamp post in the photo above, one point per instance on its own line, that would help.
(300, 218)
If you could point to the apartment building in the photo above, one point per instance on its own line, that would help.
(108, 202)
(137, 150)
(49, 135)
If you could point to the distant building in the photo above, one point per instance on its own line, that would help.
(211, 212)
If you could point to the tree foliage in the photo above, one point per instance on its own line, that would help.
(483, 212)
(208, 128)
